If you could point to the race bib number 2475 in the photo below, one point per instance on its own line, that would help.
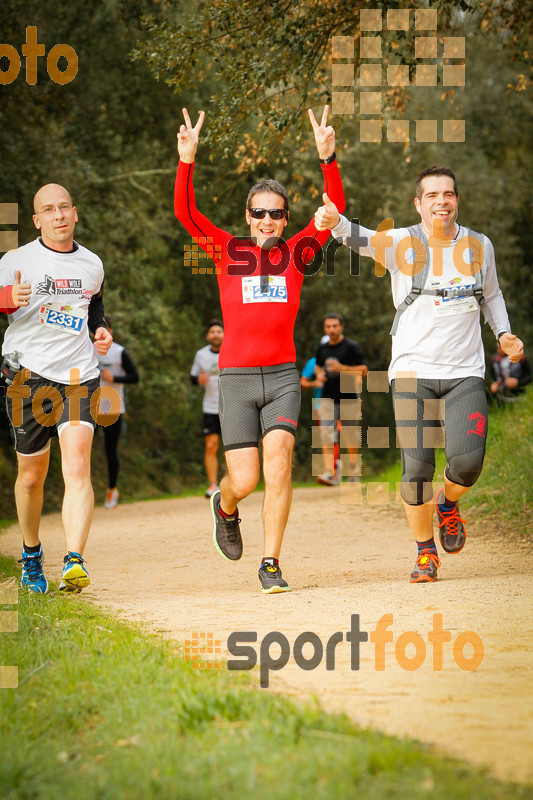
(264, 289)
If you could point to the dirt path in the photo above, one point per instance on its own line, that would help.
(154, 562)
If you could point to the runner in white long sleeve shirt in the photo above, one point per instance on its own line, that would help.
(438, 363)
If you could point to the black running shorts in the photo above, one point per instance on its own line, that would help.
(256, 400)
(211, 424)
(35, 419)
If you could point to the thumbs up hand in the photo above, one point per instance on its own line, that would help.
(21, 292)
(327, 216)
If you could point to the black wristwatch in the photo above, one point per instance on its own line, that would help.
(501, 334)
(329, 160)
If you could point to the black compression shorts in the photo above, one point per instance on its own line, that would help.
(256, 400)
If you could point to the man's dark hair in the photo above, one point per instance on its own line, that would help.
(334, 315)
(108, 320)
(435, 171)
(212, 323)
(268, 185)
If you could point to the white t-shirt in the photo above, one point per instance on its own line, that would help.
(113, 362)
(206, 360)
(435, 338)
(51, 344)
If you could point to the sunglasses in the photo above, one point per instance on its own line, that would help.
(273, 213)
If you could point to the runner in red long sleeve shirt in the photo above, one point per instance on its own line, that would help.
(260, 280)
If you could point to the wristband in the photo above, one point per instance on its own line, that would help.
(329, 160)
(499, 336)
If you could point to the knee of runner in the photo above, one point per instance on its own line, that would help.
(31, 479)
(243, 485)
(417, 482)
(465, 469)
(417, 492)
(211, 445)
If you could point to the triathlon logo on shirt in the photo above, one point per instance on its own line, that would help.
(59, 286)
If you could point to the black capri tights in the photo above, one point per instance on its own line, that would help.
(111, 437)
(425, 409)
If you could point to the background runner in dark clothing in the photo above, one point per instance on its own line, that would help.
(339, 355)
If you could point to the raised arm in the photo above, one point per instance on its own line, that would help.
(325, 144)
(188, 137)
(324, 134)
(199, 226)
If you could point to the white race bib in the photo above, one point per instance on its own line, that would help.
(62, 317)
(445, 306)
(264, 289)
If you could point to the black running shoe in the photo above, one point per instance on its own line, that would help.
(452, 532)
(226, 532)
(271, 579)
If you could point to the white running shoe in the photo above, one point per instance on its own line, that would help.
(111, 498)
(327, 479)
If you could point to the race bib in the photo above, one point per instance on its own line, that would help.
(62, 317)
(446, 306)
(264, 289)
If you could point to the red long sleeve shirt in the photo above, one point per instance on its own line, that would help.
(6, 298)
(259, 289)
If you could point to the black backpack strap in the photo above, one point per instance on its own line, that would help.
(419, 280)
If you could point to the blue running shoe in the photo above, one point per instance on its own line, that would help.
(75, 577)
(33, 577)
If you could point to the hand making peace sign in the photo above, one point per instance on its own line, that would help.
(324, 134)
(188, 137)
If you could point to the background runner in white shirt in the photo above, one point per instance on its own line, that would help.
(205, 372)
(116, 369)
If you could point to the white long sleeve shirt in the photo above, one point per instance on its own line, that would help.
(436, 338)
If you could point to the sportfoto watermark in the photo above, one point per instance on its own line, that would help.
(32, 50)
(409, 254)
(275, 649)
(9, 623)
(74, 392)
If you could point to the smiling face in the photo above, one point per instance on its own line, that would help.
(55, 217)
(438, 205)
(266, 231)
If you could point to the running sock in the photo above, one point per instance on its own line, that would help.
(31, 550)
(223, 513)
(448, 505)
(270, 562)
(429, 545)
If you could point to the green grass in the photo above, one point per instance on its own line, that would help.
(105, 711)
(504, 489)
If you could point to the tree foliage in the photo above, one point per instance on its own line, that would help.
(262, 64)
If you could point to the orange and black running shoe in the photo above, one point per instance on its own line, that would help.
(426, 566)
(452, 532)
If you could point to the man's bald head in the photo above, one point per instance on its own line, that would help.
(43, 194)
(55, 217)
